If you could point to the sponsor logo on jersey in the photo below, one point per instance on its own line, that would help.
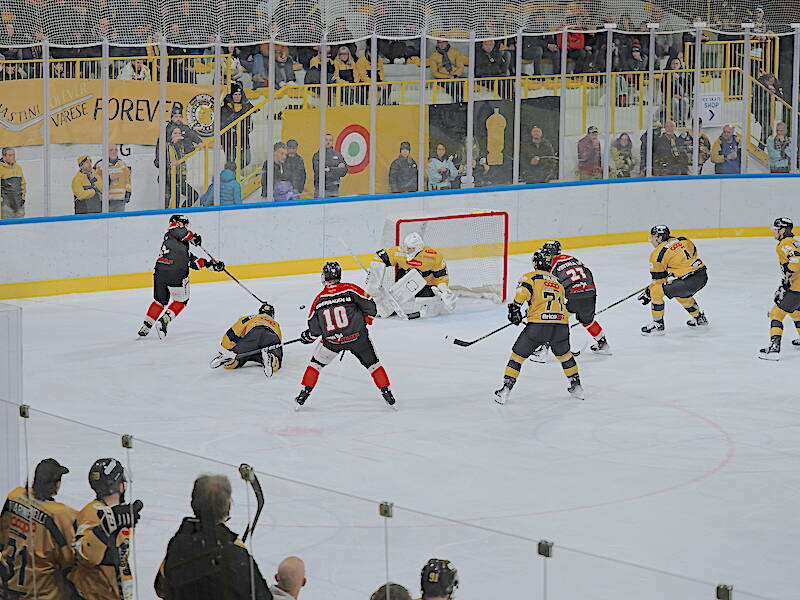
(552, 317)
(414, 262)
(552, 284)
(676, 246)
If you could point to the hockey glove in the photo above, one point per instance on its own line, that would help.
(644, 297)
(218, 265)
(306, 337)
(196, 239)
(514, 313)
(114, 518)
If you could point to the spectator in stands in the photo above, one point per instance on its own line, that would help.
(438, 580)
(657, 129)
(313, 73)
(230, 190)
(135, 70)
(13, 187)
(334, 167)
(44, 574)
(119, 180)
(703, 147)
(87, 188)
(346, 67)
(448, 63)
(539, 47)
(284, 67)
(622, 160)
(536, 159)
(489, 60)
(637, 60)
(290, 579)
(295, 166)
(669, 153)
(403, 172)
(442, 172)
(298, 19)
(236, 141)
(726, 152)
(190, 139)
(679, 81)
(779, 150)
(340, 32)
(391, 591)
(191, 571)
(762, 104)
(590, 156)
(576, 50)
(282, 184)
(364, 75)
(177, 191)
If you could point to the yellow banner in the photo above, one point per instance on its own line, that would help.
(76, 111)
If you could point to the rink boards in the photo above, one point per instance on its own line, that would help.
(59, 255)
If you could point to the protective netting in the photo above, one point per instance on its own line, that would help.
(193, 23)
(475, 246)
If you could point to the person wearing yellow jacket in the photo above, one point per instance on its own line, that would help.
(87, 188)
(104, 529)
(119, 180)
(36, 535)
(12, 186)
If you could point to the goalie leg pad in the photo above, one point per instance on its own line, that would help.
(407, 287)
(429, 306)
(375, 278)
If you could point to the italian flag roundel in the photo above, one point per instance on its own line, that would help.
(353, 144)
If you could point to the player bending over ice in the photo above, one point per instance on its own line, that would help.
(547, 323)
(254, 338)
(420, 288)
(171, 275)
(339, 316)
(677, 273)
(787, 296)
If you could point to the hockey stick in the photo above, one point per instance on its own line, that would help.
(229, 274)
(395, 303)
(252, 352)
(464, 343)
(628, 297)
(249, 475)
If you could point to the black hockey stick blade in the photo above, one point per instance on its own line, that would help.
(464, 343)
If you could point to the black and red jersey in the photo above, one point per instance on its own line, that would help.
(175, 258)
(340, 313)
(572, 274)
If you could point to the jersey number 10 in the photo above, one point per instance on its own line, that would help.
(335, 318)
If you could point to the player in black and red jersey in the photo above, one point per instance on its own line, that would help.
(580, 289)
(171, 275)
(339, 316)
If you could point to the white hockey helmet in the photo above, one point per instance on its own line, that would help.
(413, 244)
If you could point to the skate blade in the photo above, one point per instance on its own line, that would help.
(393, 406)
(655, 333)
(773, 356)
(577, 393)
(499, 399)
(297, 407)
(604, 352)
(539, 359)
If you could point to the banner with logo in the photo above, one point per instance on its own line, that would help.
(76, 111)
(349, 127)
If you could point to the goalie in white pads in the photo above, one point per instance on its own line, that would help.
(420, 287)
(252, 337)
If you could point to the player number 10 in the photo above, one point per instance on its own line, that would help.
(335, 318)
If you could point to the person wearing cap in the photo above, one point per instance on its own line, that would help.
(190, 140)
(536, 164)
(119, 180)
(637, 61)
(87, 188)
(36, 535)
(295, 166)
(403, 172)
(590, 162)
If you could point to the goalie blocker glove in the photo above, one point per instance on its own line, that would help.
(121, 516)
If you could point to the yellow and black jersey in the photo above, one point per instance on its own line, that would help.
(788, 250)
(545, 297)
(429, 262)
(36, 544)
(676, 257)
(244, 325)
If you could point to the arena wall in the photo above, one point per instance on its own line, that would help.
(59, 255)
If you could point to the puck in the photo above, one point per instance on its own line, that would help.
(301, 307)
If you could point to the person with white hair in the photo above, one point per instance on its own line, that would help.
(410, 280)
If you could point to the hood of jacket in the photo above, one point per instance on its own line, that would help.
(227, 176)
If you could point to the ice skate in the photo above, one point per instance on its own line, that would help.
(601, 346)
(161, 325)
(302, 397)
(698, 321)
(539, 355)
(270, 363)
(575, 390)
(145, 329)
(504, 392)
(796, 343)
(654, 328)
(386, 392)
(773, 351)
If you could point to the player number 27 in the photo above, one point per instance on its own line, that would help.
(335, 318)
(576, 273)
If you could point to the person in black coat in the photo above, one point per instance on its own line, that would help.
(295, 166)
(205, 560)
(236, 140)
(335, 168)
(403, 171)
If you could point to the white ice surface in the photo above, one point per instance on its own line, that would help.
(685, 455)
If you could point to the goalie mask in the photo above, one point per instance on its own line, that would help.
(412, 244)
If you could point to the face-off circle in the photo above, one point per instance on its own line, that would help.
(353, 143)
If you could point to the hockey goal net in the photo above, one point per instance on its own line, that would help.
(474, 244)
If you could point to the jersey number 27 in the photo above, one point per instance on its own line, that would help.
(576, 274)
(335, 318)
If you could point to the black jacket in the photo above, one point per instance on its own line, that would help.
(332, 161)
(208, 564)
(403, 175)
(490, 64)
(295, 167)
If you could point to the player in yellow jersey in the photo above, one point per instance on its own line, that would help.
(678, 273)
(421, 285)
(252, 337)
(36, 535)
(787, 297)
(547, 322)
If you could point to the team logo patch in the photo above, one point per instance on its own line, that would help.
(353, 144)
(200, 114)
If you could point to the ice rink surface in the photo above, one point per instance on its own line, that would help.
(684, 457)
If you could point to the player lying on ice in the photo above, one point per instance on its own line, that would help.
(420, 286)
(254, 338)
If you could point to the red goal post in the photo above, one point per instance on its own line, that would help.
(474, 244)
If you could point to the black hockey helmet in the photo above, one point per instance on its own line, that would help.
(551, 248)
(182, 219)
(438, 578)
(540, 261)
(267, 309)
(105, 476)
(782, 223)
(660, 231)
(331, 272)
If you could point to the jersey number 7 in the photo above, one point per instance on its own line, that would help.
(551, 297)
(335, 318)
